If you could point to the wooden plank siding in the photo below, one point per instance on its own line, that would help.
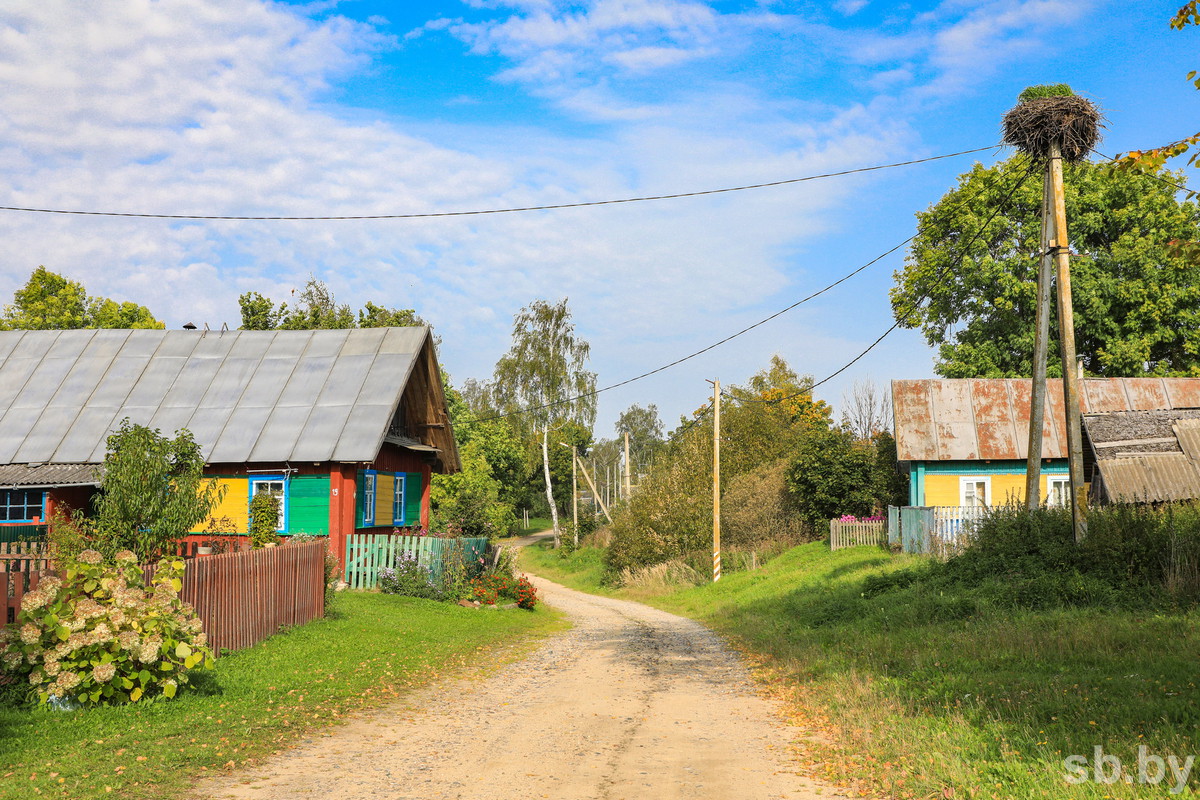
(308, 505)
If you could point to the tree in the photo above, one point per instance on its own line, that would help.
(865, 410)
(645, 431)
(152, 491)
(317, 309)
(830, 475)
(48, 301)
(973, 294)
(544, 377)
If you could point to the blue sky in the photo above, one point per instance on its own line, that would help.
(375, 107)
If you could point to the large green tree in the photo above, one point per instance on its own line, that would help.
(969, 281)
(48, 301)
(543, 380)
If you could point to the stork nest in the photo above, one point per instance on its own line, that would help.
(1074, 122)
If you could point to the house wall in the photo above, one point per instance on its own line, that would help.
(306, 511)
(938, 483)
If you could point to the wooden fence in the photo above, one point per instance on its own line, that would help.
(240, 597)
(853, 534)
(939, 531)
(368, 554)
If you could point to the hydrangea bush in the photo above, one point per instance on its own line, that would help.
(101, 635)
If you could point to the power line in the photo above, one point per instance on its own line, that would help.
(937, 280)
(427, 215)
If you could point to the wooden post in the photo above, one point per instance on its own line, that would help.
(595, 494)
(574, 495)
(627, 466)
(1041, 346)
(716, 480)
(1066, 325)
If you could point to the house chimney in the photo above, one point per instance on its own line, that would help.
(189, 326)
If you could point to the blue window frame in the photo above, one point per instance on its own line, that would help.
(398, 501)
(368, 499)
(276, 485)
(22, 505)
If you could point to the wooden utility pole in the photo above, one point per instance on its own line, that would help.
(1041, 347)
(627, 466)
(574, 495)
(1066, 324)
(716, 480)
(595, 494)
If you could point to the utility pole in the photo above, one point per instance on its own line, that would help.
(595, 494)
(1041, 347)
(574, 495)
(1066, 323)
(716, 480)
(627, 466)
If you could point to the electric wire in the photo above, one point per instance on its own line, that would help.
(915, 306)
(480, 212)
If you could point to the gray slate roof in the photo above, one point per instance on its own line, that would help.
(246, 396)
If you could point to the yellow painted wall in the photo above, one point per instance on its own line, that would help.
(235, 506)
(385, 488)
(944, 490)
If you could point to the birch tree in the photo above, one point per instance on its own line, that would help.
(544, 379)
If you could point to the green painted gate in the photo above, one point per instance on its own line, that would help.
(368, 554)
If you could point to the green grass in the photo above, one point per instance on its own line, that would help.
(372, 649)
(925, 688)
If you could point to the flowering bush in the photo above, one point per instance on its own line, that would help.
(495, 586)
(408, 577)
(100, 635)
(852, 518)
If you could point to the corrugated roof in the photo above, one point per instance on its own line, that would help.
(988, 419)
(49, 475)
(246, 396)
(1151, 477)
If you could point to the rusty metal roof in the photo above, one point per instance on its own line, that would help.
(246, 396)
(988, 419)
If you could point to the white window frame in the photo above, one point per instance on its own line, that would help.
(398, 491)
(255, 480)
(964, 480)
(1065, 482)
(369, 487)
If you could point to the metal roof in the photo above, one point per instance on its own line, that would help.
(12, 475)
(246, 396)
(1151, 477)
(988, 419)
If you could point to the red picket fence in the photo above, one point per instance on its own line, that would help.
(240, 597)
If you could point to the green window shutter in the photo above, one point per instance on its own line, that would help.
(412, 498)
(359, 494)
(308, 505)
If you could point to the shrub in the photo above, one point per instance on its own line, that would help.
(410, 578)
(493, 587)
(100, 635)
(264, 519)
(758, 508)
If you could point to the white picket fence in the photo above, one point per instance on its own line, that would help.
(854, 534)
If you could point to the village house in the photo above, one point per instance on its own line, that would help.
(344, 427)
(964, 442)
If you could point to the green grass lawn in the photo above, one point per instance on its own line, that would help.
(923, 692)
(371, 649)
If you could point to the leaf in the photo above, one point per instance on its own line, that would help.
(63, 632)
(144, 677)
(177, 584)
(182, 650)
(169, 690)
(135, 695)
(191, 660)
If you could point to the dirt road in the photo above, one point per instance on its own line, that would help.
(632, 702)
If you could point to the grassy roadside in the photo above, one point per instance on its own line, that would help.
(925, 692)
(372, 649)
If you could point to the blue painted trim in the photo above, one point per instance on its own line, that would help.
(283, 503)
(41, 520)
(1054, 467)
(369, 508)
(399, 490)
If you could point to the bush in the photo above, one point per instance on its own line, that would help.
(493, 587)
(100, 635)
(757, 508)
(410, 578)
(264, 520)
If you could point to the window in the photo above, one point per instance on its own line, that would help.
(275, 485)
(975, 492)
(369, 499)
(398, 501)
(1058, 491)
(21, 505)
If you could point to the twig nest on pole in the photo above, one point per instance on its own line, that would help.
(1032, 125)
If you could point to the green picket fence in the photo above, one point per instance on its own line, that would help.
(368, 554)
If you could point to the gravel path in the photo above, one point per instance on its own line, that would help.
(631, 702)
